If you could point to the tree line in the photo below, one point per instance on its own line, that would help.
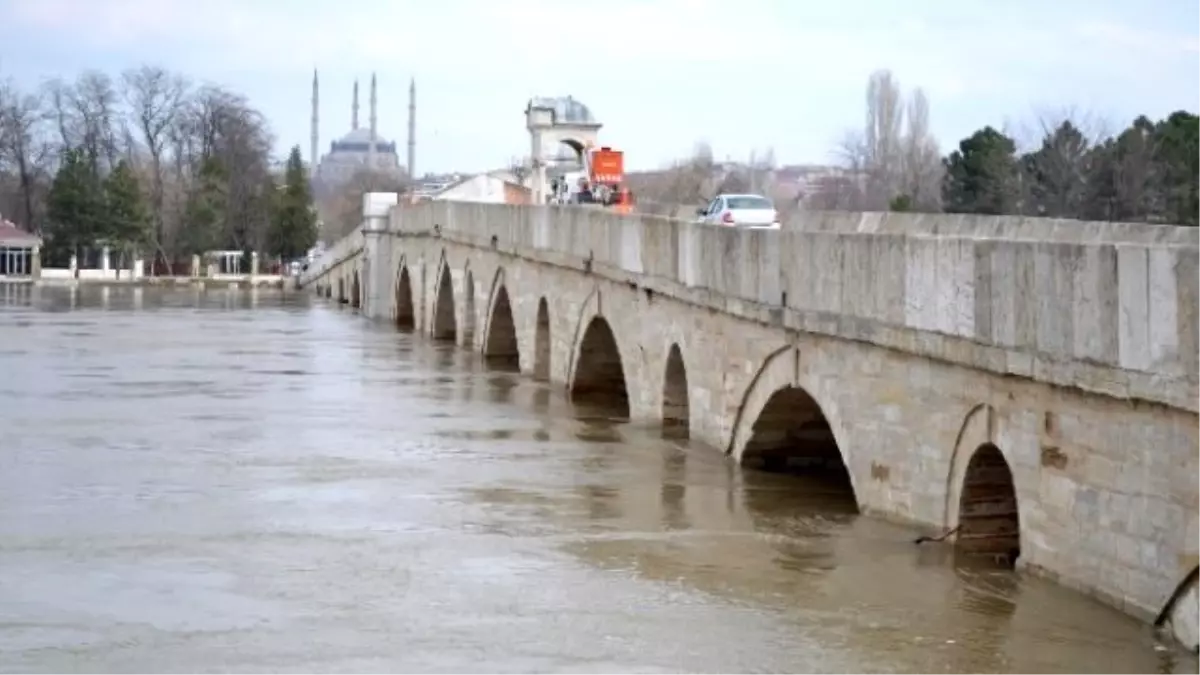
(148, 162)
(1146, 173)
(1068, 168)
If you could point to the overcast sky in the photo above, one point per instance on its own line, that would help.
(660, 74)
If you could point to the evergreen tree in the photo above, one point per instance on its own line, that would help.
(981, 176)
(75, 205)
(293, 228)
(205, 209)
(1178, 166)
(127, 220)
(901, 203)
(1058, 173)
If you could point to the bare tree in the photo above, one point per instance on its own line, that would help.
(519, 168)
(920, 159)
(96, 115)
(881, 139)
(341, 211)
(156, 99)
(677, 189)
(844, 190)
(894, 157)
(59, 94)
(20, 150)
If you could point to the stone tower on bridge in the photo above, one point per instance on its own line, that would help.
(554, 121)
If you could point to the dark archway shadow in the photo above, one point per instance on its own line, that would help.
(792, 436)
(989, 526)
(406, 319)
(676, 415)
(443, 309)
(541, 343)
(598, 389)
(501, 352)
(355, 292)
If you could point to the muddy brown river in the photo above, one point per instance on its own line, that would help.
(227, 481)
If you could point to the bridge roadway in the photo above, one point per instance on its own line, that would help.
(1028, 385)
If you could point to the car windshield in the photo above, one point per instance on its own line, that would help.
(748, 203)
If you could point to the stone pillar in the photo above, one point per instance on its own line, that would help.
(105, 261)
(35, 263)
(73, 266)
(195, 266)
(375, 284)
(138, 270)
(253, 264)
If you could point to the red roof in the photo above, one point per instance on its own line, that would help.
(11, 235)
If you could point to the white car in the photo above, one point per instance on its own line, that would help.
(753, 211)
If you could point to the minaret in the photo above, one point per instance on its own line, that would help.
(374, 128)
(354, 109)
(315, 140)
(412, 128)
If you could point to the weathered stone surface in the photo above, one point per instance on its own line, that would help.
(920, 337)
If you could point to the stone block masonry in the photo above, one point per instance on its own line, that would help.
(924, 343)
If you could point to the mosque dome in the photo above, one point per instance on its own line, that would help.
(359, 140)
(566, 109)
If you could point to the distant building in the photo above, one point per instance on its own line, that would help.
(359, 149)
(19, 252)
(493, 187)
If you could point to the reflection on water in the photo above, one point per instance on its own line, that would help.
(219, 480)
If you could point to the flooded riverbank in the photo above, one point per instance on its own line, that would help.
(234, 480)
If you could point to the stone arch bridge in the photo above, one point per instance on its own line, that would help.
(1029, 386)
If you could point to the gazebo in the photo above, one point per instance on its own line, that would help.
(20, 252)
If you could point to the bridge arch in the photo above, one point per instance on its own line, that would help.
(979, 427)
(406, 316)
(989, 523)
(468, 319)
(599, 374)
(341, 289)
(676, 407)
(781, 425)
(500, 343)
(355, 290)
(444, 327)
(541, 342)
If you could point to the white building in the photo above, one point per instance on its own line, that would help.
(493, 187)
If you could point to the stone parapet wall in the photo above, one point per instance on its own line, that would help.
(1113, 317)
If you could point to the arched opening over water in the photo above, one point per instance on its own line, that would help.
(341, 290)
(541, 342)
(469, 310)
(793, 436)
(501, 348)
(675, 410)
(989, 527)
(355, 292)
(443, 309)
(599, 375)
(406, 318)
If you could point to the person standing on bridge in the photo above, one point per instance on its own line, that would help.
(584, 196)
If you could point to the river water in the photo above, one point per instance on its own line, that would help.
(227, 481)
